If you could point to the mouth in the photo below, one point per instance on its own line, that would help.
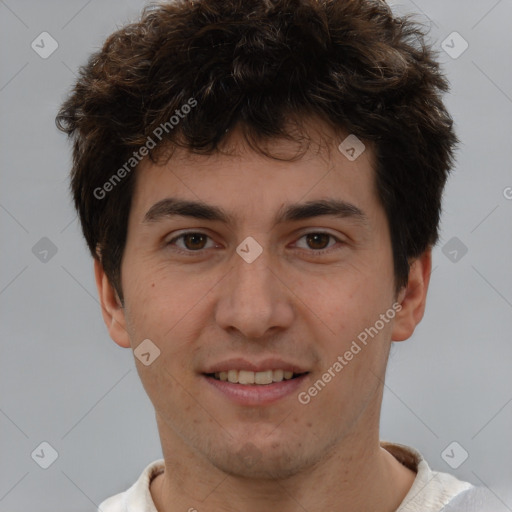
(250, 378)
(244, 382)
(254, 388)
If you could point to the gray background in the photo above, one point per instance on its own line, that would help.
(65, 382)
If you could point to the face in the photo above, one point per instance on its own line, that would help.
(280, 271)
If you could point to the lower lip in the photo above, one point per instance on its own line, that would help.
(259, 394)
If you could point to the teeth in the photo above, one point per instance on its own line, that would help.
(277, 375)
(247, 377)
(263, 377)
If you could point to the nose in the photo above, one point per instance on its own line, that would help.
(255, 299)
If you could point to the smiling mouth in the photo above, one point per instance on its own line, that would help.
(246, 377)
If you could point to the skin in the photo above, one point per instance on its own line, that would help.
(290, 303)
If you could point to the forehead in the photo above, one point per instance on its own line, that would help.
(239, 178)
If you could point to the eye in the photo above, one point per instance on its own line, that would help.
(317, 241)
(193, 241)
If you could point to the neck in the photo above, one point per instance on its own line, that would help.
(357, 475)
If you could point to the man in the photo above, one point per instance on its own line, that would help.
(260, 185)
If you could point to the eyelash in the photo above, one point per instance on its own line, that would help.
(193, 253)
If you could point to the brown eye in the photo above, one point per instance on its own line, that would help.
(318, 240)
(194, 241)
(190, 242)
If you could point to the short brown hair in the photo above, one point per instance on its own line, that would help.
(257, 64)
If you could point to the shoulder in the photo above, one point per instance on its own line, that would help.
(138, 497)
(431, 490)
(476, 499)
(434, 491)
(115, 503)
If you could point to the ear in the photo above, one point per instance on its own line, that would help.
(413, 297)
(111, 307)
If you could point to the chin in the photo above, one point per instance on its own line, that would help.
(263, 470)
(270, 463)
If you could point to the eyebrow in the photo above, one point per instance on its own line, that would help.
(289, 212)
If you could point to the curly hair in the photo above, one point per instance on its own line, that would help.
(257, 64)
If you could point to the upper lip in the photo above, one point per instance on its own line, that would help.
(252, 366)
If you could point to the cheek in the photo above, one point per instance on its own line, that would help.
(358, 335)
(153, 292)
(350, 304)
(166, 306)
(351, 375)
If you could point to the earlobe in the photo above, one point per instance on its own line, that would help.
(413, 297)
(111, 307)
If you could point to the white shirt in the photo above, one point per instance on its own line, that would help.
(431, 490)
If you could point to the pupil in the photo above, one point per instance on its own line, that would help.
(315, 237)
(193, 236)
